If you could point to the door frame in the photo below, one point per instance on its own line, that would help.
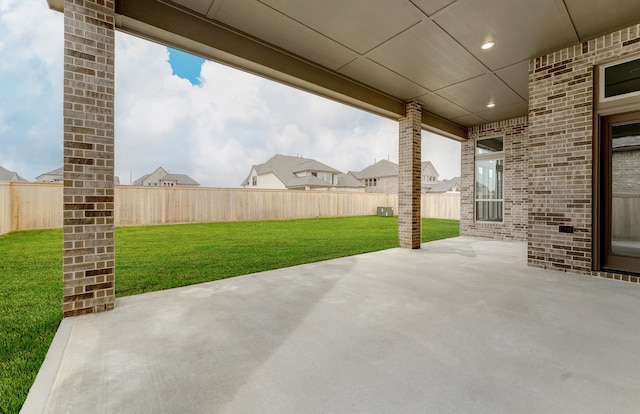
(604, 258)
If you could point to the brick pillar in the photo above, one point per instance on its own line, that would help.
(410, 153)
(88, 268)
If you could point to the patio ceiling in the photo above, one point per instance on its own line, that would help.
(377, 54)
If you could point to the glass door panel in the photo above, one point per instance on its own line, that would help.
(622, 192)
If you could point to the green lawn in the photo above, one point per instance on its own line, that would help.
(162, 257)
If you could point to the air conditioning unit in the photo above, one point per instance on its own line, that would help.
(385, 211)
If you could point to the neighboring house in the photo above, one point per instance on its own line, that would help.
(446, 186)
(53, 176)
(429, 175)
(161, 178)
(7, 176)
(56, 176)
(381, 177)
(298, 173)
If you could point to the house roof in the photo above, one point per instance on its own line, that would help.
(445, 185)
(181, 179)
(382, 168)
(56, 172)
(140, 180)
(427, 165)
(347, 180)
(8, 176)
(285, 168)
(378, 54)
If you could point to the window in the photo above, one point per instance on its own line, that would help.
(489, 178)
(371, 182)
(327, 177)
(620, 79)
(254, 180)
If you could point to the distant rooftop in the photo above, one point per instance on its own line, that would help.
(9, 176)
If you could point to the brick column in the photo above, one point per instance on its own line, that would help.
(409, 170)
(88, 156)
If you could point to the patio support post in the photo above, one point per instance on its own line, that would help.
(88, 222)
(409, 170)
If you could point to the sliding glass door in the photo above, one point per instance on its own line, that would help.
(620, 192)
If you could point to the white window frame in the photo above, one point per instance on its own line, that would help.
(601, 81)
(493, 156)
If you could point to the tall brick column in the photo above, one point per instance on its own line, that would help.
(88, 156)
(409, 170)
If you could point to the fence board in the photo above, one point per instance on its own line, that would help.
(38, 205)
(626, 217)
(446, 206)
(5, 208)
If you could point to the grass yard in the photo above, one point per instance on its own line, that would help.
(162, 257)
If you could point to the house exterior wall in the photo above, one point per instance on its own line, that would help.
(49, 178)
(514, 224)
(384, 185)
(560, 150)
(154, 178)
(268, 181)
(429, 174)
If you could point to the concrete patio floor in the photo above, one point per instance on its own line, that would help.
(460, 326)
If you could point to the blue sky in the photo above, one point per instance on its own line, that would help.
(185, 65)
(180, 112)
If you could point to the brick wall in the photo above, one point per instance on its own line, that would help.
(410, 154)
(626, 170)
(561, 98)
(514, 224)
(88, 156)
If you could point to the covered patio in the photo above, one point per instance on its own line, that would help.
(523, 74)
(461, 325)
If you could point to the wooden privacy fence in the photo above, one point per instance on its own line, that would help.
(5, 208)
(29, 206)
(625, 220)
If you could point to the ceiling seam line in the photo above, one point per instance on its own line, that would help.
(573, 25)
(392, 37)
(400, 75)
(309, 27)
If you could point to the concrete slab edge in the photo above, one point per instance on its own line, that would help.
(43, 384)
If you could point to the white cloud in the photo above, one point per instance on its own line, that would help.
(31, 84)
(213, 131)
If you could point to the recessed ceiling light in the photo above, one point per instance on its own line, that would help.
(491, 105)
(488, 45)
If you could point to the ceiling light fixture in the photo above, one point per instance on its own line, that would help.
(487, 45)
(491, 105)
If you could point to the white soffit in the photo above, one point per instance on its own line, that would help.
(372, 73)
(430, 7)
(435, 103)
(520, 28)
(513, 77)
(428, 57)
(474, 94)
(268, 24)
(594, 17)
(360, 25)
